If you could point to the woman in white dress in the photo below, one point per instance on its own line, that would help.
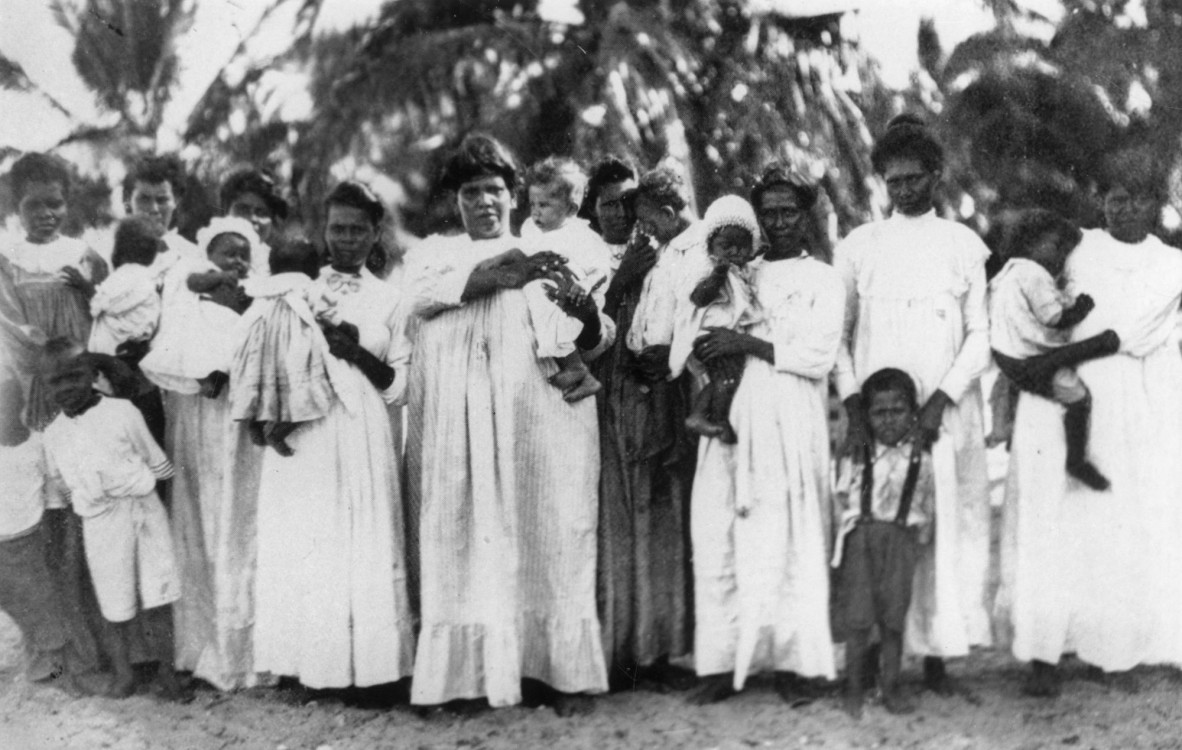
(331, 603)
(1097, 573)
(916, 301)
(502, 472)
(759, 508)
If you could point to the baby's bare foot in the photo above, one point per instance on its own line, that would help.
(587, 387)
(699, 425)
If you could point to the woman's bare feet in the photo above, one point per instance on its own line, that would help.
(714, 689)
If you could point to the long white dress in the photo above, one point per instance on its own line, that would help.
(760, 508)
(1098, 573)
(502, 475)
(213, 496)
(916, 301)
(331, 603)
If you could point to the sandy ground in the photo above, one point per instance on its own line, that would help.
(1144, 714)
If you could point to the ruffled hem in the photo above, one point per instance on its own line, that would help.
(464, 661)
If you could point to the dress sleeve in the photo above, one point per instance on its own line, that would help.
(973, 358)
(437, 273)
(145, 445)
(844, 260)
(398, 352)
(807, 341)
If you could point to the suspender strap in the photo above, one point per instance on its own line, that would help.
(868, 485)
(909, 483)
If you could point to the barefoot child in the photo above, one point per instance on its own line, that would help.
(101, 451)
(126, 306)
(556, 189)
(194, 348)
(282, 371)
(1030, 319)
(723, 299)
(884, 503)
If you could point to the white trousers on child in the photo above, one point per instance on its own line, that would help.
(129, 551)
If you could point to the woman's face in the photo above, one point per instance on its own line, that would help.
(155, 202)
(350, 237)
(485, 204)
(782, 220)
(230, 252)
(1130, 216)
(911, 186)
(42, 210)
(615, 220)
(253, 208)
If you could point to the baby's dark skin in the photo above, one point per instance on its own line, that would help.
(710, 287)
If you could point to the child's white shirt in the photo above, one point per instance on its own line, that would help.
(104, 454)
(1024, 305)
(589, 260)
(890, 473)
(22, 477)
(125, 307)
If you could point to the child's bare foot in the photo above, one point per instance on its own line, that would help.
(277, 434)
(1087, 473)
(586, 388)
(258, 433)
(715, 689)
(568, 377)
(122, 685)
(700, 425)
(87, 684)
(852, 704)
(895, 702)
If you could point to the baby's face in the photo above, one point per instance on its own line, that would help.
(548, 207)
(1047, 251)
(732, 245)
(230, 252)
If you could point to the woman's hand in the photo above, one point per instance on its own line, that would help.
(74, 278)
(653, 362)
(931, 416)
(638, 260)
(572, 298)
(229, 295)
(723, 342)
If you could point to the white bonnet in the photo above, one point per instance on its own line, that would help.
(730, 211)
(219, 225)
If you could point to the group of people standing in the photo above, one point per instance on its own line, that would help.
(617, 464)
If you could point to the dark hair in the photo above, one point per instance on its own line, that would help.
(906, 137)
(36, 167)
(889, 380)
(56, 352)
(561, 172)
(479, 156)
(781, 176)
(154, 170)
(356, 195)
(250, 180)
(1136, 168)
(295, 256)
(1033, 223)
(135, 242)
(607, 171)
(663, 186)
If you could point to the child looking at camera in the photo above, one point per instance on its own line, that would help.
(884, 506)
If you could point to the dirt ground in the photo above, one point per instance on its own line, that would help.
(1144, 714)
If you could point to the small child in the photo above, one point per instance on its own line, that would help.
(126, 306)
(282, 371)
(1029, 321)
(27, 592)
(203, 303)
(101, 451)
(722, 299)
(556, 187)
(884, 503)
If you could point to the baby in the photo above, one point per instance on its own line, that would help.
(202, 304)
(556, 187)
(1029, 322)
(100, 450)
(885, 505)
(126, 306)
(282, 370)
(722, 299)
